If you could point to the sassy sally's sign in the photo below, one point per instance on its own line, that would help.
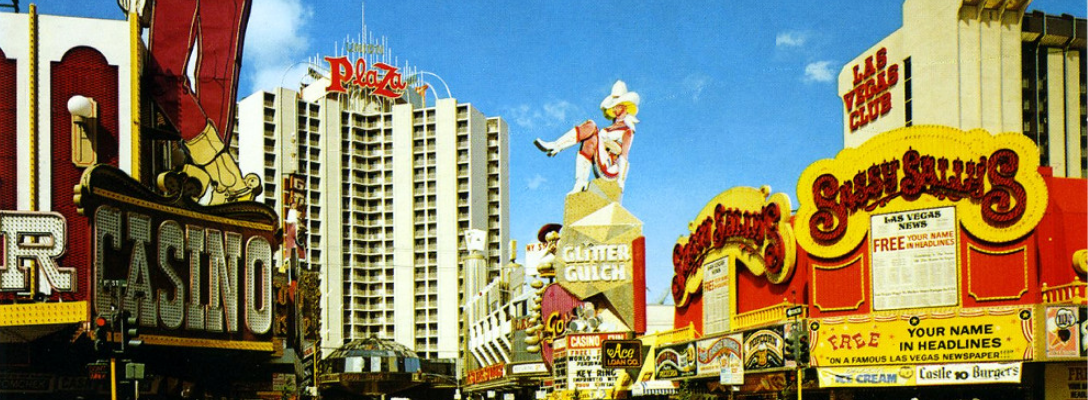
(992, 181)
(749, 224)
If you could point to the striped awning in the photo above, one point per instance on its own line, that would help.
(654, 388)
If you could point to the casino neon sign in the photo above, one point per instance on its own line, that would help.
(196, 276)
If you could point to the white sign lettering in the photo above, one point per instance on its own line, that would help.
(38, 237)
(157, 292)
(602, 262)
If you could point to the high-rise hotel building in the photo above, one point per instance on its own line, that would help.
(974, 64)
(389, 186)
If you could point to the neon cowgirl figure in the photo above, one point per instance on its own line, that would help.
(195, 53)
(603, 150)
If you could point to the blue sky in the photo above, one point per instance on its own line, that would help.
(734, 93)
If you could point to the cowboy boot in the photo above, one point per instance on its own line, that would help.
(222, 175)
(570, 138)
(582, 165)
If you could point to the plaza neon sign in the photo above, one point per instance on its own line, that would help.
(384, 79)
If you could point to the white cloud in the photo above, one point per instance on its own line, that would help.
(790, 39)
(521, 115)
(819, 71)
(535, 182)
(276, 40)
(549, 115)
(695, 84)
(557, 111)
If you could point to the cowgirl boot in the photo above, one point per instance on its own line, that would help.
(570, 138)
(582, 165)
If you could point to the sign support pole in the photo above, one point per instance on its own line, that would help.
(800, 376)
(113, 378)
(792, 313)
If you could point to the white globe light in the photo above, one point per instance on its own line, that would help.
(80, 106)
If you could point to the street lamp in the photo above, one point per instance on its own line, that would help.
(84, 111)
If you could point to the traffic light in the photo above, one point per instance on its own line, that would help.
(102, 327)
(802, 346)
(792, 346)
(130, 330)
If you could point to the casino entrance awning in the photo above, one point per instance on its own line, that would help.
(654, 388)
(23, 323)
(379, 367)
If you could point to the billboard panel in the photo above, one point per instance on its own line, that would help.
(196, 276)
(914, 259)
(957, 336)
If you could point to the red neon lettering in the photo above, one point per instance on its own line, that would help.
(869, 99)
(390, 84)
(340, 69)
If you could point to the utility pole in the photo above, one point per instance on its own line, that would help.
(115, 287)
(797, 344)
(122, 326)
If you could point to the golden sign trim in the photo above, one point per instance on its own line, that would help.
(970, 290)
(178, 211)
(860, 257)
(205, 343)
(44, 313)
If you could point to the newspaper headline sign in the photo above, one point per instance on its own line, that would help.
(716, 302)
(914, 259)
(964, 335)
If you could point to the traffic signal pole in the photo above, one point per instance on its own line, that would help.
(113, 378)
(794, 344)
(116, 319)
(800, 376)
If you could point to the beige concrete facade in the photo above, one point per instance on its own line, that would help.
(390, 189)
(972, 65)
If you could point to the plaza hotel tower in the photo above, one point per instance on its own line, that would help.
(386, 187)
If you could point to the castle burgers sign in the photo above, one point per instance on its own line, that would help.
(992, 181)
(197, 276)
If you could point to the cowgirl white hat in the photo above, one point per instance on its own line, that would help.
(620, 95)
